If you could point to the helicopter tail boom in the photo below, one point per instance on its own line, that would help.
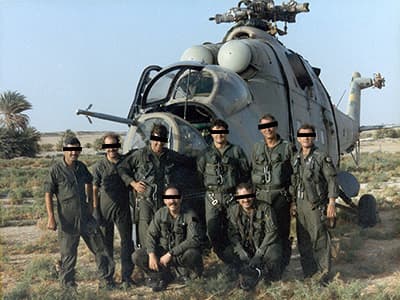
(357, 84)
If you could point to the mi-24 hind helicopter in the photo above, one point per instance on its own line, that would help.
(249, 73)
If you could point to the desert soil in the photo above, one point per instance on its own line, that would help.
(375, 262)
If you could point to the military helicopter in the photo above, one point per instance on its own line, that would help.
(249, 73)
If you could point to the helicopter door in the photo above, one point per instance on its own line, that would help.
(183, 137)
(147, 74)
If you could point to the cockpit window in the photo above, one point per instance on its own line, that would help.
(192, 143)
(182, 82)
(193, 83)
(159, 90)
(142, 136)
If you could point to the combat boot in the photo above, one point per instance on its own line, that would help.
(249, 277)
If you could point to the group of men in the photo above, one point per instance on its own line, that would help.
(248, 207)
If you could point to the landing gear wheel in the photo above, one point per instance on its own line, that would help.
(367, 211)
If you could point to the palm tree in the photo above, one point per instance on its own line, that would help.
(12, 104)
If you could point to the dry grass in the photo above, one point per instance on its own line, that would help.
(365, 261)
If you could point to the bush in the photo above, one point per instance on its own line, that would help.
(19, 143)
(41, 268)
(97, 144)
(15, 198)
(387, 133)
(392, 133)
(46, 147)
(21, 291)
(68, 133)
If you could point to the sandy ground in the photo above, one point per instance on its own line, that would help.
(374, 263)
(383, 145)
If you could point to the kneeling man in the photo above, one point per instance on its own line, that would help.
(255, 248)
(173, 240)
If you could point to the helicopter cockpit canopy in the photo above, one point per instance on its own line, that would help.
(182, 137)
(186, 83)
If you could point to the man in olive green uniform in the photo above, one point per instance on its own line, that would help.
(148, 170)
(173, 240)
(221, 167)
(271, 172)
(255, 248)
(111, 205)
(315, 191)
(71, 182)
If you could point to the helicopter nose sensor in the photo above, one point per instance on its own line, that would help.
(198, 53)
(234, 55)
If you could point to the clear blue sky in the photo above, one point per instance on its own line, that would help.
(64, 55)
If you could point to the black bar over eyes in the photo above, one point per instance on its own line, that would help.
(72, 148)
(306, 134)
(113, 146)
(268, 125)
(238, 197)
(221, 131)
(158, 139)
(166, 197)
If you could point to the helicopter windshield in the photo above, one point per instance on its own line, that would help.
(179, 82)
(210, 85)
(193, 83)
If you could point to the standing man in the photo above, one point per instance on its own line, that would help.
(71, 182)
(315, 190)
(111, 205)
(221, 167)
(148, 170)
(271, 172)
(173, 240)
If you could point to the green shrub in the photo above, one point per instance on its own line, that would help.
(21, 291)
(98, 143)
(19, 143)
(46, 147)
(65, 135)
(15, 198)
(41, 268)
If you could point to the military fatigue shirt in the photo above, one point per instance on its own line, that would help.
(173, 235)
(68, 184)
(223, 171)
(156, 171)
(271, 167)
(253, 233)
(314, 177)
(113, 190)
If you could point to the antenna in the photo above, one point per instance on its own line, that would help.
(340, 99)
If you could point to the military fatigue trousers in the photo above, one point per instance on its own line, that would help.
(281, 208)
(121, 217)
(216, 221)
(271, 262)
(145, 215)
(313, 240)
(69, 249)
(191, 259)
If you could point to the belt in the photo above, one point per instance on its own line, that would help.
(274, 187)
(220, 189)
(219, 200)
